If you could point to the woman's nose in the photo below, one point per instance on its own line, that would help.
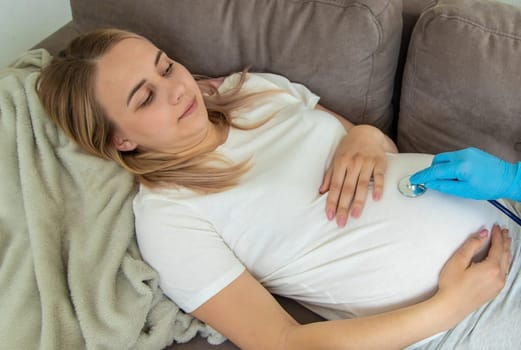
(176, 92)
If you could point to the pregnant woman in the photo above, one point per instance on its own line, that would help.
(248, 186)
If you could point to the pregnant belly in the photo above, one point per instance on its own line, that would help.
(392, 255)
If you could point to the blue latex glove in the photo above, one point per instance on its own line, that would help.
(472, 173)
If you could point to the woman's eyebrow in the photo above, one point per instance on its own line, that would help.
(158, 56)
(140, 84)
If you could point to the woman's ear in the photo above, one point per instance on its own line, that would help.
(123, 144)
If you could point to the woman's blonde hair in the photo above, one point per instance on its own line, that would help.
(66, 90)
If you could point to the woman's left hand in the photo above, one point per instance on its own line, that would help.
(359, 160)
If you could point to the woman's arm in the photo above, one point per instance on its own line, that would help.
(359, 158)
(250, 317)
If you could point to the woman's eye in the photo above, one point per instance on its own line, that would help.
(148, 100)
(168, 69)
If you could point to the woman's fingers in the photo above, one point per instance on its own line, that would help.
(500, 254)
(336, 183)
(359, 157)
(347, 190)
(506, 259)
(464, 254)
(348, 182)
(362, 187)
(326, 181)
(341, 189)
(466, 285)
(378, 177)
(493, 270)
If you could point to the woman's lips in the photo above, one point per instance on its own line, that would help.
(190, 109)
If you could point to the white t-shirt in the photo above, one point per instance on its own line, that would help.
(274, 223)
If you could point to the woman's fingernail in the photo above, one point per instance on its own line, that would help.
(330, 214)
(341, 221)
(355, 212)
(483, 233)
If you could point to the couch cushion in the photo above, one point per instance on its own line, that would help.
(462, 80)
(344, 50)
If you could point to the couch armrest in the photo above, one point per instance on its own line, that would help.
(59, 39)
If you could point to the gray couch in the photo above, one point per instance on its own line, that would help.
(434, 75)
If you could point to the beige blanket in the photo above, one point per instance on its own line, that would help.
(71, 276)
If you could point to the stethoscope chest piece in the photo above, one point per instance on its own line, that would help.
(409, 190)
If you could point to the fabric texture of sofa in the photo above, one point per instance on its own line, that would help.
(435, 75)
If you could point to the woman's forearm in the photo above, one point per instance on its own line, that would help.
(371, 132)
(246, 313)
(391, 330)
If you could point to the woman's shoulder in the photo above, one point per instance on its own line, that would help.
(254, 81)
(259, 82)
(148, 201)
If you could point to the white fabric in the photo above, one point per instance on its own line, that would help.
(274, 222)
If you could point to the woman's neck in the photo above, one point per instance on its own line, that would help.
(216, 135)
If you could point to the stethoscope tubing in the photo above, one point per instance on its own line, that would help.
(412, 191)
(505, 211)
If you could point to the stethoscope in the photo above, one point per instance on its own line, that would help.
(412, 191)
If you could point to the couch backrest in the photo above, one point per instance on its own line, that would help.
(344, 50)
(461, 85)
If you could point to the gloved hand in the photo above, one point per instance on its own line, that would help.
(472, 173)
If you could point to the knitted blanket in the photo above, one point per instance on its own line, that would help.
(71, 276)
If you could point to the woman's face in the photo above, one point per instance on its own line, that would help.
(153, 101)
